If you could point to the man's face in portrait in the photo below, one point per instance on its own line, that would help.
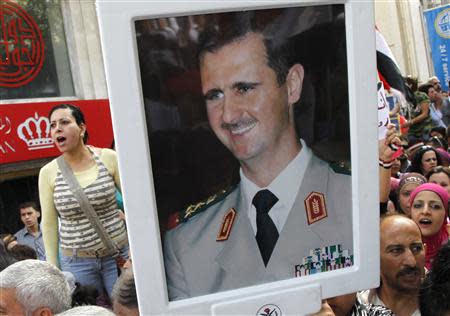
(29, 216)
(402, 254)
(247, 108)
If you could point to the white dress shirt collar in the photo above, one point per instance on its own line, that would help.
(285, 187)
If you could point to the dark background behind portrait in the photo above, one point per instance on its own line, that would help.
(189, 162)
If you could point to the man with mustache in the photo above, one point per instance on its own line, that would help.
(290, 215)
(402, 257)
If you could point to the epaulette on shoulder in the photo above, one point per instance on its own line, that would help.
(341, 167)
(199, 207)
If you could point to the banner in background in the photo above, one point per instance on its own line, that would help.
(25, 129)
(438, 26)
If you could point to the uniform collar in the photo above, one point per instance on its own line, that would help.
(285, 186)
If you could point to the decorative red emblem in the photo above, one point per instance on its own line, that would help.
(227, 224)
(315, 207)
(21, 46)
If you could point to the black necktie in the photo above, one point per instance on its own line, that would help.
(266, 231)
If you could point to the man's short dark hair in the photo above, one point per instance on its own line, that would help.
(22, 252)
(438, 129)
(235, 26)
(28, 204)
(434, 291)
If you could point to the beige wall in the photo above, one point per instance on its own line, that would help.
(401, 24)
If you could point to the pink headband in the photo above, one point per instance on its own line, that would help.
(433, 187)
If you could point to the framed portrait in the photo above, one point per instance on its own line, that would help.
(213, 102)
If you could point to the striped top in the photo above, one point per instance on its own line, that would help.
(76, 231)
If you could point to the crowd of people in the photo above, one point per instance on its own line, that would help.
(72, 263)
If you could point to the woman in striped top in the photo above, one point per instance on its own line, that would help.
(82, 250)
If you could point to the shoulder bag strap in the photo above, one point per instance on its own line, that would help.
(85, 206)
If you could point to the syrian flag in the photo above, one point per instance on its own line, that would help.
(389, 70)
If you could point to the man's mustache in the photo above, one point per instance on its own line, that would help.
(238, 124)
(407, 271)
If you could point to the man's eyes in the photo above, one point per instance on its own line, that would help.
(417, 248)
(243, 88)
(396, 250)
(213, 95)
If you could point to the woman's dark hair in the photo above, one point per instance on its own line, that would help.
(76, 113)
(5, 257)
(435, 289)
(84, 295)
(416, 162)
(22, 252)
(438, 169)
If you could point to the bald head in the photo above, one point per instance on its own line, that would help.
(402, 254)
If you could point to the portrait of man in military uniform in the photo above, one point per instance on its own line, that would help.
(288, 211)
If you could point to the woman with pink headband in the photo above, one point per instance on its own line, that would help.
(429, 209)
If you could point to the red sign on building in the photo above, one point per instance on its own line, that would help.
(21, 46)
(25, 129)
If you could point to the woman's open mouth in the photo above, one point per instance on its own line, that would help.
(60, 140)
(425, 221)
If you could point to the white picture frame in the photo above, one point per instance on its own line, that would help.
(296, 296)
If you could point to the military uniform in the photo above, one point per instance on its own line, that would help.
(197, 262)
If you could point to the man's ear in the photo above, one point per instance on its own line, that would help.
(294, 82)
(43, 311)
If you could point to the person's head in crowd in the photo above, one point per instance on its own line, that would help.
(22, 252)
(447, 135)
(440, 175)
(435, 290)
(5, 257)
(438, 131)
(412, 82)
(87, 310)
(402, 259)
(430, 91)
(408, 182)
(124, 295)
(445, 156)
(429, 209)
(9, 240)
(84, 295)
(437, 142)
(434, 81)
(425, 159)
(29, 215)
(33, 287)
